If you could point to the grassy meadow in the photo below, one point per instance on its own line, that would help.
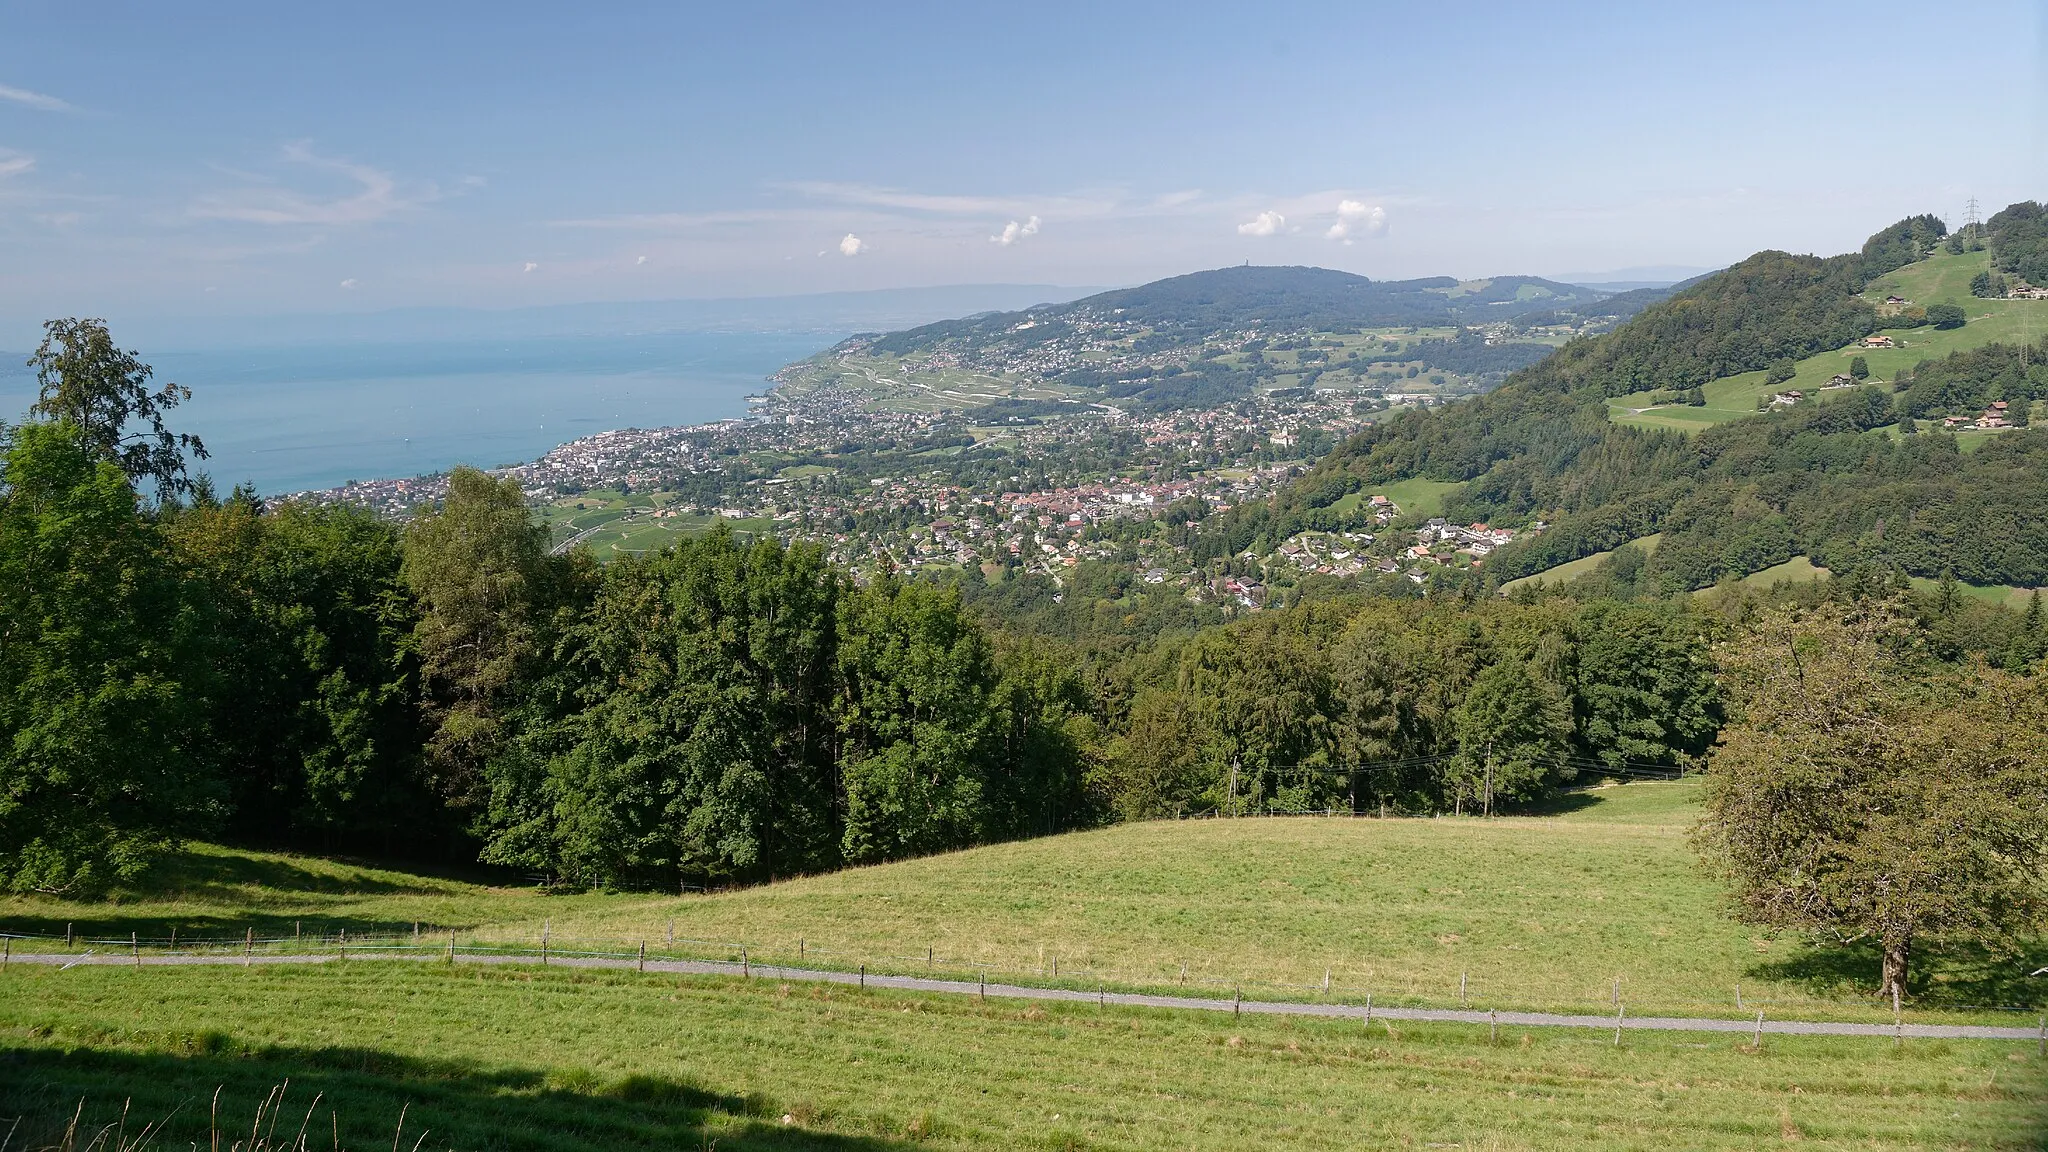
(1546, 909)
(1941, 278)
(1573, 569)
(561, 1061)
(1537, 911)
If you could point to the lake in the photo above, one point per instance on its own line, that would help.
(291, 419)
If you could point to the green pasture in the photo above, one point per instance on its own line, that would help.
(416, 1056)
(1538, 910)
(1416, 496)
(1573, 569)
(1941, 278)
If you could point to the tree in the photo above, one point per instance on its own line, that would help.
(1781, 370)
(1696, 397)
(487, 592)
(82, 377)
(1155, 768)
(1863, 796)
(1859, 368)
(704, 743)
(1643, 685)
(1946, 316)
(97, 775)
(915, 721)
(311, 716)
(1511, 732)
(1987, 284)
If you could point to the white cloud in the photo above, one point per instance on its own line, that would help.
(1013, 232)
(1264, 224)
(1355, 219)
(852, 245)
(14, 163)
(349, 283)
(530, 266)
(376, 196)
(34, 100)
(639, 261)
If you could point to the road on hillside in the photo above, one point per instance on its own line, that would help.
(1129, 999)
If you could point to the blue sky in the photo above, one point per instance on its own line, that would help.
(227, 159)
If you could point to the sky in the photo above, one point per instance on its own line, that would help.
(213, 159)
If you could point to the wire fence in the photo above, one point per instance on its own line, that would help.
(1337, 986)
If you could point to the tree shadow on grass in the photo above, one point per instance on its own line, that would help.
(153, 928)
(445, 1104)
(1956, 976)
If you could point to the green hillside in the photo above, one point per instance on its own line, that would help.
(1544, 909)
(1729, 492)
(1941, 277)
(1533, 911)
(1215, 337)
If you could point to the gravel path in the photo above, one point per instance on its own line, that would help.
(1134, 999)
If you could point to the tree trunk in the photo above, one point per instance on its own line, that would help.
(1896, 950)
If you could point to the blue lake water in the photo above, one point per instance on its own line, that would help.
(290, 419)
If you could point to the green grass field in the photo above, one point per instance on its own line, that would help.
(610, 524)
(559, 1061)
(1531, 911)
(1573, 569)
(1417, 496)
(1543, 909)
(1943, 277)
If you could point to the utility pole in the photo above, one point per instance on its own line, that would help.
(1233, 786)
(1489, 780)
(1970, 218)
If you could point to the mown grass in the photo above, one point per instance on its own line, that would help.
(1417, 496)
(555, 1061)
(1530, 911)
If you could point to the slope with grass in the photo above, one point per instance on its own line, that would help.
(1943, 277)
(555, 1061)
(1541, 911)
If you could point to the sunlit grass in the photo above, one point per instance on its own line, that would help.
(525, 1059)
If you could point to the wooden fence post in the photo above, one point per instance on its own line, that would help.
(642, 966)
(1757, 1041)
(249, 945)
(1236, 1000)
(1618, 1013)
(1898, 1021)
(451, 945)
(1492, 1027)
(1368, 1009)
(67, 934)
(135, 945)
(746, 967)
(863, 975)
(1461, 989)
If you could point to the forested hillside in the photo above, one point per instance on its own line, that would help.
(1863, 479)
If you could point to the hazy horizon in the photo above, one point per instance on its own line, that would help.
(209, 163)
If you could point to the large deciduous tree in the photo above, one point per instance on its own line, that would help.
(97, 715)
(492, 602)
(1864, 795)
(85, 379)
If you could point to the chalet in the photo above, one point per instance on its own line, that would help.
(1878, 341)
(1840, 380)
(1792, 396)
(1897, 301)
